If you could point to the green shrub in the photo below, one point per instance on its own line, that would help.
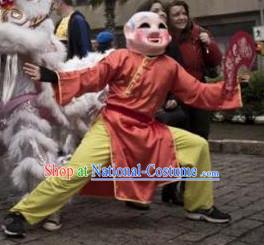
(253, 95)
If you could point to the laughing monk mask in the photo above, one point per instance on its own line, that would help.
(147, 33)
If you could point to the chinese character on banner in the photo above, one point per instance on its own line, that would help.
(239, 55)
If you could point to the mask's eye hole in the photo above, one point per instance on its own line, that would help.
(162, 26)
(144, 25)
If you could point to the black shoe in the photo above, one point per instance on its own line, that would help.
(212, 215)
(14, 225)
(138, 206)
(173, 193)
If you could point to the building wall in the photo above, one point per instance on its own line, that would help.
(123, 13)
(221, 7)
(222, 17)
(198, 8)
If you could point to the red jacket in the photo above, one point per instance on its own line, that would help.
(196, 55)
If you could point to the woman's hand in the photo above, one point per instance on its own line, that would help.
(33, 71)
(204, 37)
(40, 73)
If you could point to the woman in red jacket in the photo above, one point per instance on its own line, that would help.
(199, 52)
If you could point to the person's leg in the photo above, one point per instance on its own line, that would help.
(51, 194)
(196, 121)
(200, 122)
(193, 151)
(187, 113)
(173, 118)
(179, 118)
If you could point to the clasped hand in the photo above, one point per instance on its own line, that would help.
(33, 71)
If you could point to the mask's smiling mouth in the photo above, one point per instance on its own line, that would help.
(154, 38)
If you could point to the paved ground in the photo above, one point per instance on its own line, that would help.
(95, 221)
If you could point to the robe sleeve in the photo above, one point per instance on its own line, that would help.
(203, 95)
(75, 83)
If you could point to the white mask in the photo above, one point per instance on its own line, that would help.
(147, 33)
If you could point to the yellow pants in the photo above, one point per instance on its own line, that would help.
(52, 194)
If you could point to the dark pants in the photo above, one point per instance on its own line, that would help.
(197, 121)
(174, 118)
(191, 119)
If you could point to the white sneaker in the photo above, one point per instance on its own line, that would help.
(259, 119)
(53, 222)
(239, 118)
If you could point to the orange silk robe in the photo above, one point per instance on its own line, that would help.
(138, 86)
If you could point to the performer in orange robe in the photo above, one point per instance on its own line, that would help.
(139, 79)
(131, 105)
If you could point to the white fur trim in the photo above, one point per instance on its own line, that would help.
(55, 57)
(24, 171)
(82, 104)
(34, 8)
(70, 144)
(18, 39)
(77, 64)
(25, 118)
(21, 143)
(47, 100)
